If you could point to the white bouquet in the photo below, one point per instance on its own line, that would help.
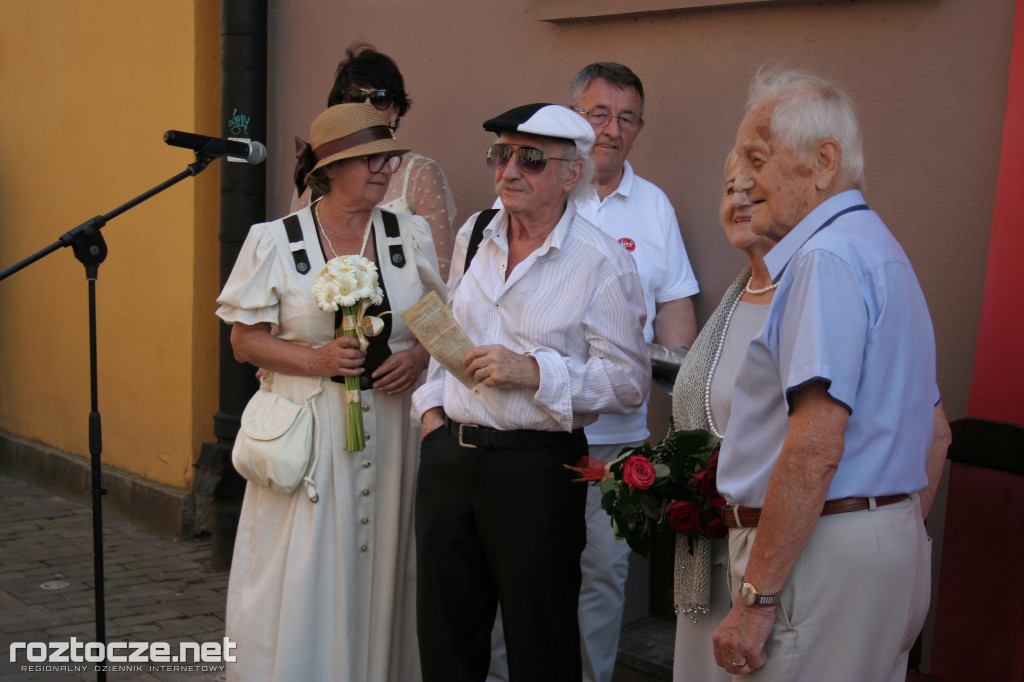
(350, 283)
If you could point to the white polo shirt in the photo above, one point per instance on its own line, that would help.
(641, 218)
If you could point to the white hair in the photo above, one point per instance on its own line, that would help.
(584, 184)
(809, 109)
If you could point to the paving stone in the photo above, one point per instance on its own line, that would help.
(154, 590)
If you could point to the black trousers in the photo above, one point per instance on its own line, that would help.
(499, 524)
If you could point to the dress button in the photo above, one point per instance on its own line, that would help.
(366, 408)
(366, 493)
(363, 548)
(367, 438)
(366, 465)
(364, 521)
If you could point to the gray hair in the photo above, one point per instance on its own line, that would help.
(619, 75)
(585, 184)
(809, 109)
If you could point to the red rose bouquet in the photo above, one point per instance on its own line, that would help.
(670, 484)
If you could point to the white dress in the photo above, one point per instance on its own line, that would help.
(325, 591)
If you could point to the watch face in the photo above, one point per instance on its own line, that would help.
(748, 594)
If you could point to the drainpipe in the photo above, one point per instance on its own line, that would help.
(242, 203)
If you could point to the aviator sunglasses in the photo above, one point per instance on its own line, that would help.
(529, 159)
(380, 99)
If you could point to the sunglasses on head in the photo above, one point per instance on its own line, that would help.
(376, 162)
(528, 159)
(380, 99)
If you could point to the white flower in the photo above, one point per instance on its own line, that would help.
(346, 280)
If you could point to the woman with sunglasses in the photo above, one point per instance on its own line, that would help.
(324, 590)
(419, 187)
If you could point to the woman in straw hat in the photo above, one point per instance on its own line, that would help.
(419, 186)
(324, 590)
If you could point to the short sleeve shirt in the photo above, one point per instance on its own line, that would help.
(848, 312)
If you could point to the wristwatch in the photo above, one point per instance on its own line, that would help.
(751, 597)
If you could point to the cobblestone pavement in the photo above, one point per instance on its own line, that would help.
(155, 590)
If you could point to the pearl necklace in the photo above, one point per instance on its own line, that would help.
(714, 364)
(758, 292)
(718, 354)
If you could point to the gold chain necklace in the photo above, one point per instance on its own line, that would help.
(320, 224)
(316, 214)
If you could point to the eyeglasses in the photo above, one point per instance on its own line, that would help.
(599, 117)
(376, 162)
(529, 159)
(380, 99)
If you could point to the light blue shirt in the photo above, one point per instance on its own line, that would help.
(850, 312)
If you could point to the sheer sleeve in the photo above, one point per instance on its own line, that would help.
(429, 196)
(252, 293)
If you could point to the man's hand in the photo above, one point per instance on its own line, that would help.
(740, 638)
(432, 419)
(496, 365)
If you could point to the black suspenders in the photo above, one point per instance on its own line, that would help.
(477, 235)
(394, 239)
(298, 245)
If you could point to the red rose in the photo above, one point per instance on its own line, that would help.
(683, 517)
(713, 461)
(638, 472)
(705, 483)
(717, 502)
(712, 526)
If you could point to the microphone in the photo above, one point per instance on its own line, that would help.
(251, 152)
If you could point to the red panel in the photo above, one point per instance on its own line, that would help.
(996, 391)
(979, 619)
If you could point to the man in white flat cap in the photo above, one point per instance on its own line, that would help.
(550, 301)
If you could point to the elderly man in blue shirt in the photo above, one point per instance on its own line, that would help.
(837, 435)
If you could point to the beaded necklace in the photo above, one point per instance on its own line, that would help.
(718, 354)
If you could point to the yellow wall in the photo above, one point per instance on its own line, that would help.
(88, 88)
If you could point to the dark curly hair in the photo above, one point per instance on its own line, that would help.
(364, 66)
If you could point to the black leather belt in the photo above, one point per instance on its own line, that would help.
(474, 436)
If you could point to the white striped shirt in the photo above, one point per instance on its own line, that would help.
(571, 305)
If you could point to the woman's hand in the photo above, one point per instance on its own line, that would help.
(339, 357)
(399, 372)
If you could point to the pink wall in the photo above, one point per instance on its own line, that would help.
(928, 76)
(997, 390)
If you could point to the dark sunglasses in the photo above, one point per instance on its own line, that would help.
(376, 162)
(380, 99)
(529, 159)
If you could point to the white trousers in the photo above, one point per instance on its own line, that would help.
(855, 601)
(605, 566)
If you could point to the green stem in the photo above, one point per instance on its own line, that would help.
(355, 436)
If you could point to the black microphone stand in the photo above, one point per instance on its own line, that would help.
(91, 250)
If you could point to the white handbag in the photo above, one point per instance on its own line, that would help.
(278, 442)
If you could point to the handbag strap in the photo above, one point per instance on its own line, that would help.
(307, 480)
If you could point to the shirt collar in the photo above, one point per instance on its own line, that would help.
(626, 183)
(497, 231)
(590, 202)
(778, 258)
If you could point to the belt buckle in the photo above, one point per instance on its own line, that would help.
(732, 510)
(463, 443)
